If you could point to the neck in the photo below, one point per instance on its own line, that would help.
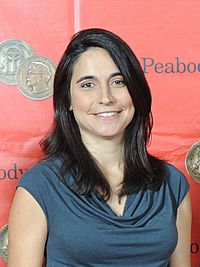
(108, 154)
(104, 150)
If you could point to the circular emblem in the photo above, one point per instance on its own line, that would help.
(192, 162)
(12, 52)
(35, 77)
(4, 243)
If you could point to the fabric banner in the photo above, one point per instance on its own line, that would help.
(165, 37)
(36, 31)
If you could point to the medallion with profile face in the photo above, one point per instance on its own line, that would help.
(35, 77)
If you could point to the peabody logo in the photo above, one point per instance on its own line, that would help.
(19, 65)
(12, 173)
(149, 64)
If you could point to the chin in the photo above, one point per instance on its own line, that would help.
(109, 135)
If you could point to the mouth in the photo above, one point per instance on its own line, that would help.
(108, 114)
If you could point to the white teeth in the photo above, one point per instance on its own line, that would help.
(106, 114)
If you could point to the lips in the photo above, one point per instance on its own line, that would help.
(107, 114)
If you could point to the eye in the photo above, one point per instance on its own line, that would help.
(87, 85)
(118, 82)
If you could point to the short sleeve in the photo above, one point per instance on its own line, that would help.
(178, 183)
(35, 181)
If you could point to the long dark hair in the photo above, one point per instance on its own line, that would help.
(141, 170)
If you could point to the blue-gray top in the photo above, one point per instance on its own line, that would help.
(84, 231)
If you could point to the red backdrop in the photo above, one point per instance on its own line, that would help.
(165, 37)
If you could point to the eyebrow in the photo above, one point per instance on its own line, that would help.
(91, 77)
(87, 77)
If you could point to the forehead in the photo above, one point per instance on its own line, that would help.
(94, 59)
(92, 52)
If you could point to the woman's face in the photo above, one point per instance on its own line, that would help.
(100, 100)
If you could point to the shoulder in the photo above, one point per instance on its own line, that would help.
(41, 172)
(174, 175)
(41, 181)
(177, 183)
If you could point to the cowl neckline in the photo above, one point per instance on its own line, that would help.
(139, 208)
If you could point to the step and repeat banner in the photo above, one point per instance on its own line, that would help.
(33, 37)
(165, 37)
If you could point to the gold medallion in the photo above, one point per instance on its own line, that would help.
(192, 162)
(12, 52)
(35, 77)
(4, 243)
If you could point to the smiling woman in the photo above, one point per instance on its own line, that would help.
(100, 99)
(99, 198)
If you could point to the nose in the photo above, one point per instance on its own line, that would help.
(105, 96)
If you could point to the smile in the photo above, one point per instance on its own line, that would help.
(107, 114)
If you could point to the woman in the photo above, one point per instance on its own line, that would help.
(99, 198)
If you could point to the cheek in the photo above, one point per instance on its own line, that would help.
(130, 106)
(78, 103)
(132, 112)
(128, 102)
(125, 97)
